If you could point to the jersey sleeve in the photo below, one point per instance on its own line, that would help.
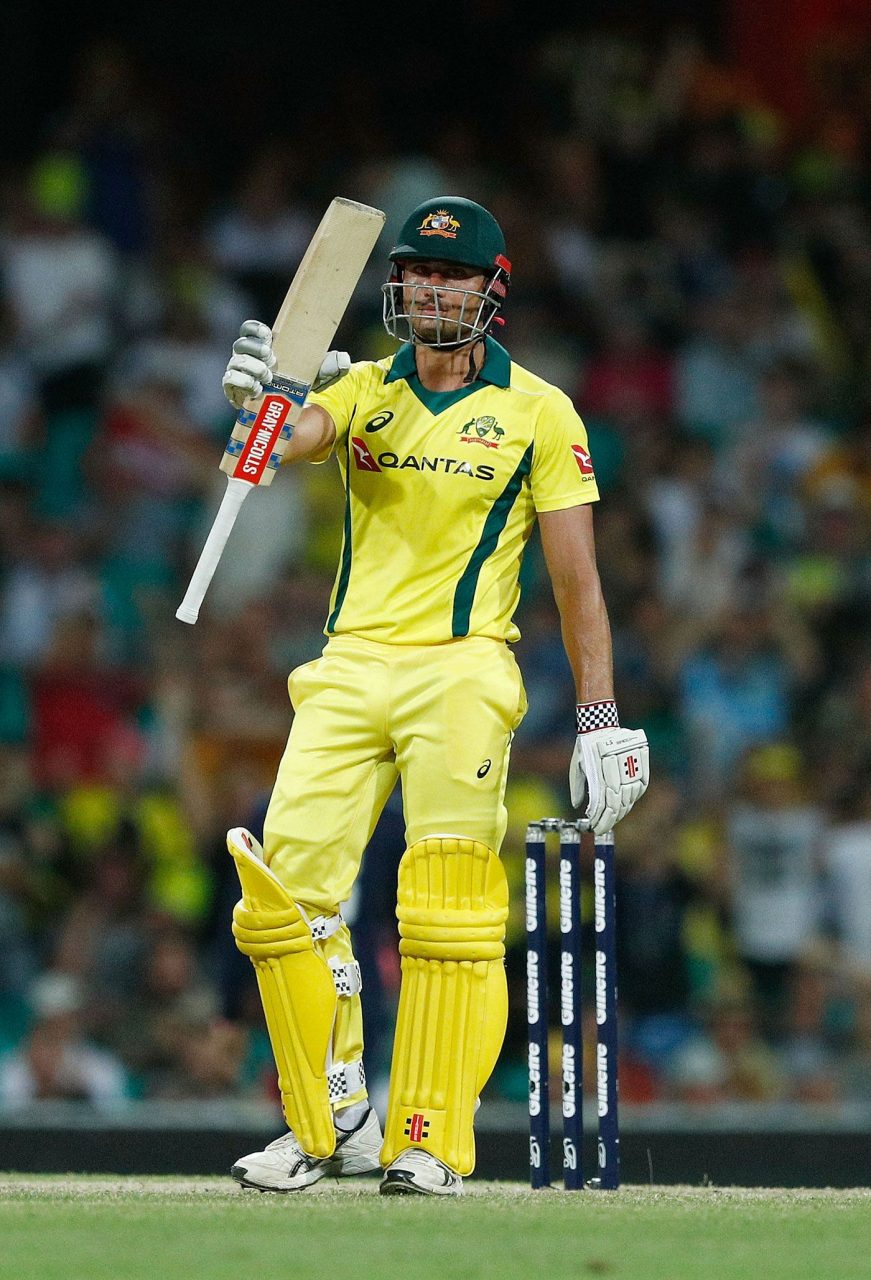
(562, 469)
(340, 401)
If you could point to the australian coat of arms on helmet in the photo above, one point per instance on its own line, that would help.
(440, 223)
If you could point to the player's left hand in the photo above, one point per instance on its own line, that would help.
(335, 365)
(611, 767)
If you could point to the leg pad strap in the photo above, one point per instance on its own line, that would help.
(345, 1079)
(347, 977)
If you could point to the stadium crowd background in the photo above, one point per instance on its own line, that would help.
(693, 267)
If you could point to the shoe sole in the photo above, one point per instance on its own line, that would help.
(392, 1186)
(238, 1172)
(400, 1189)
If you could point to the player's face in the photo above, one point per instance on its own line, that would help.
(435, 314)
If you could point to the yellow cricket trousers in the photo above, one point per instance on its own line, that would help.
(441, 717)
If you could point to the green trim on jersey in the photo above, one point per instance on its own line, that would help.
(438, 401)
(345, 567)
(495, 372)
(497, 518)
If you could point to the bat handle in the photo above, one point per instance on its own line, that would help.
(237, 492)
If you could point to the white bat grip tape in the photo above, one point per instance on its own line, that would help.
(237, 492)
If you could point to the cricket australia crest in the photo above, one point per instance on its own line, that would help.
(484, 430)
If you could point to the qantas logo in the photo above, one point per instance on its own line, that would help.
(583, 459)
(365, 460)
(363, 455)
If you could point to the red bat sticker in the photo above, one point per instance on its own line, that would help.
(262, 438)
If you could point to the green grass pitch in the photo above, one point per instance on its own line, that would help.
(124, 1228)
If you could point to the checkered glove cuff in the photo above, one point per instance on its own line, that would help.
(596, 715)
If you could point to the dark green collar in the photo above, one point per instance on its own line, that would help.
(496, 369)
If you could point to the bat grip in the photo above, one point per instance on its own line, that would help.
(237, 492)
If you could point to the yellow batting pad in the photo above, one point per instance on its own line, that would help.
(453, 1004)
(298, 993)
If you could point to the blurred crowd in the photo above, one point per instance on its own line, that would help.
(694, 271)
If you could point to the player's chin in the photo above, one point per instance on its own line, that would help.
(435, 333)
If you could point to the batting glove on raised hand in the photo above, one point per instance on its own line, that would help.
(610, 766)
(253, 360)
(335, 365)
(251, 364)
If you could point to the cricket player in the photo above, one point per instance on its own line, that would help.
(449, 452)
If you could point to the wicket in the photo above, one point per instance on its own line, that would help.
(571, 1006)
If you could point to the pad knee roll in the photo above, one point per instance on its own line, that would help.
(300, 993)
(453, 1004)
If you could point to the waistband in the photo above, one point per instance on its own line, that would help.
(347, 643)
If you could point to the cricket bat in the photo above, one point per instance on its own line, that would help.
(301, 336)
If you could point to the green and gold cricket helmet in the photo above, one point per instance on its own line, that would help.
(451, 229)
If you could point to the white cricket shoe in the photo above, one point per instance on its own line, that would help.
(416, 1172)
(284, 1166)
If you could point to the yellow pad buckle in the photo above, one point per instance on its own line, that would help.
(453, 1003)
(298, 991)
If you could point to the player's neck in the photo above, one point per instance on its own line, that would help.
(447, 370)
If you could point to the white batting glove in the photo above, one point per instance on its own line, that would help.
(251, 364)
(335, 365)
(253, 360)
(610, 766)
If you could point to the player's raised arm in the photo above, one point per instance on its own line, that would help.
(303, 330)
(609, 765)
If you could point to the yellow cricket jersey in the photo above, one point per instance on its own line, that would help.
(441, 492)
